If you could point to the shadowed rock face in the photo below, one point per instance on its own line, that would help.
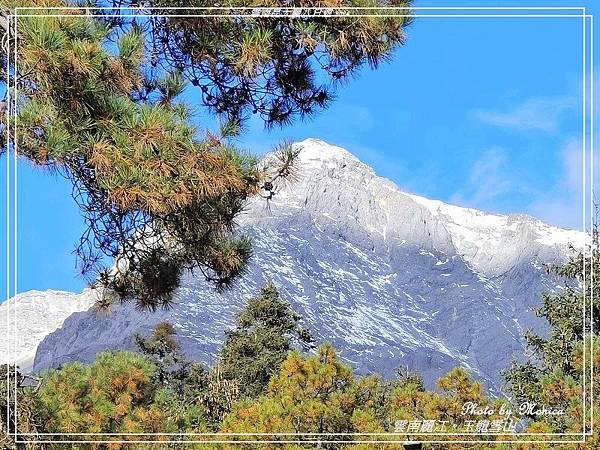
(390, 278)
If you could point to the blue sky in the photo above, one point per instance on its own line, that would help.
(481, 112)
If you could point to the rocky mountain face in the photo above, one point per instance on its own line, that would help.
(392, 279)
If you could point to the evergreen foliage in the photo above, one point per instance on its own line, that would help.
(446, 405)
(554, 375)
(277, 67)
(196, 398)
(99, 101)
(259, 344)
(161, 347)
(22, 419)
(313, 394)
(113, 394)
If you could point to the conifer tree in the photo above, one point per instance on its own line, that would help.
(410, 401)
(157, 196)
(265, 332)
(163, 349)
(115, 394)
(100, 102)
(195, 398)
(22, 420)
(313, 394)
(277, 67)
(554, 375)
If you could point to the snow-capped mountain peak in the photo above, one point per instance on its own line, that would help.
(314, 153)
(336, 186)
(390, 278)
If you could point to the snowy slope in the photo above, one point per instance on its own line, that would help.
(492, 243)
(29, 317)
(389, 277)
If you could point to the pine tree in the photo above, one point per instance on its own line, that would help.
(411, 401)
(313, 394)
(259, 344)
(157, 196)
(554, 376)
(115, 394)
(23, 420)
(99, 101)
(163, 349)
(195, 398)
(277, 67)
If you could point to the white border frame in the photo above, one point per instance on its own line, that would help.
(317, 12)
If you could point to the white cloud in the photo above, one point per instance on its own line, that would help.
(357, 116)
(489, 179)
(542, 114)
(492, 180)
(563, 204)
